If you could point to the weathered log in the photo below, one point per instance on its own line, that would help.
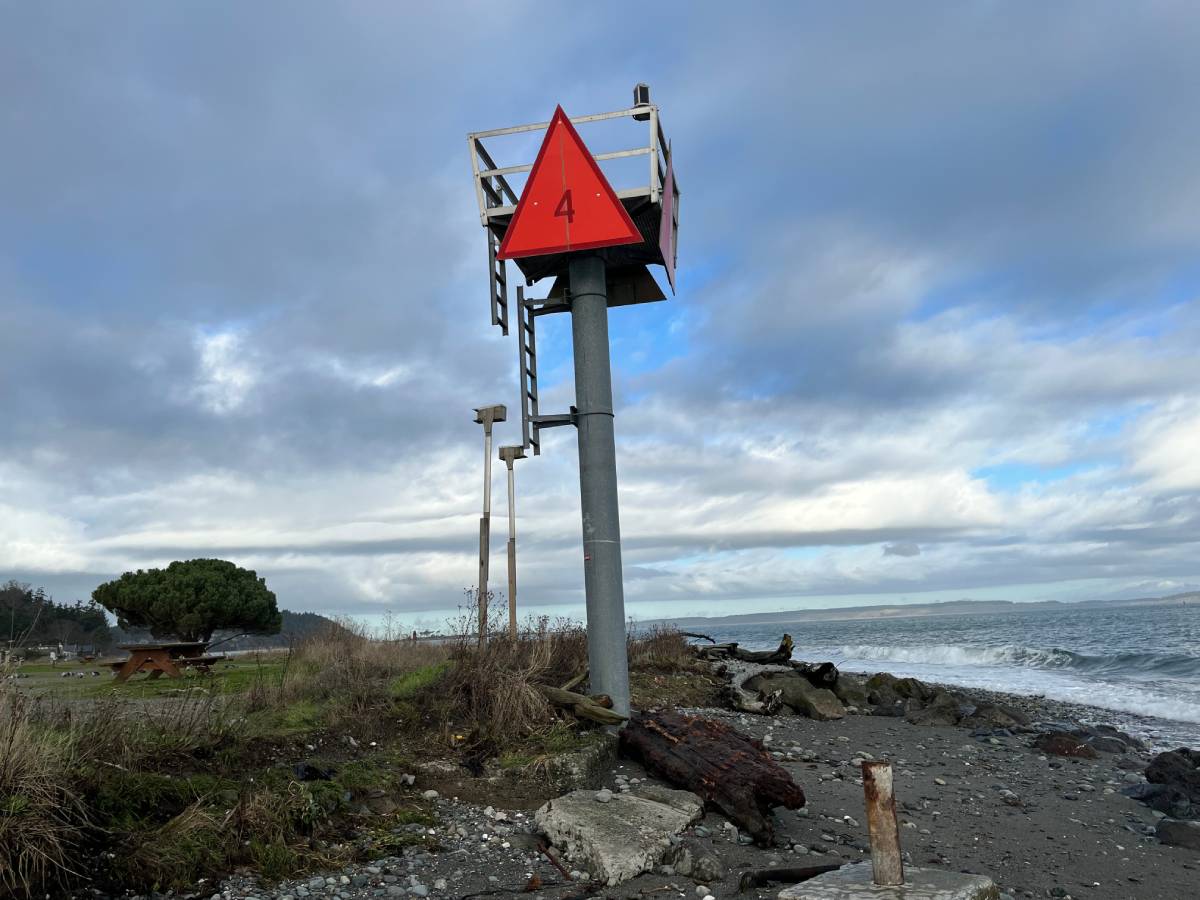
(723, 766)
(698, 636)
(779, 656)
(738, 696)
(583, 707)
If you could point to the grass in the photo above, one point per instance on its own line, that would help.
(167, 782)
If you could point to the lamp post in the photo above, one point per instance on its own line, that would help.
(486, 416)
(509, 455)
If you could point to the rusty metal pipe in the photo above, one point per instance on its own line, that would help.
(883, 830)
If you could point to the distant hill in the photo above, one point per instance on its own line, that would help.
(912, 610)
(296, 627)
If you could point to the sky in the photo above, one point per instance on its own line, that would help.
(934, 337)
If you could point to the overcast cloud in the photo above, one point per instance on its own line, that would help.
(935, 334)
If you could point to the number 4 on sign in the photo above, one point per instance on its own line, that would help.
(565, 208)
(567, 203)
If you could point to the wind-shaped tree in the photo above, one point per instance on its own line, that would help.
(190, 600)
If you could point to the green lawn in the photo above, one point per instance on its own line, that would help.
(234, 675)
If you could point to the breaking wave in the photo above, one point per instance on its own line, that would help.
(1169, 665)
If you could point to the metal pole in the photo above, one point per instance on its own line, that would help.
(607, 656)
(887, 865)
(512, 553)
(486, 416)
(484, 531)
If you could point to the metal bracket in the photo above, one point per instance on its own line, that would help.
(555, 420)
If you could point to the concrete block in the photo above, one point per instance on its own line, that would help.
(854, 883)
(622, 837)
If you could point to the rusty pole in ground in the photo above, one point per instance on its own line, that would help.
(884, 833)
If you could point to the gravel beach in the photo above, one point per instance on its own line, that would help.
(1038, 825)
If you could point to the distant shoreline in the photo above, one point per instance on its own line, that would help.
(916, 611)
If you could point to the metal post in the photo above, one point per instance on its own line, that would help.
(485, 416)
(510, 455)
(887, 865)
(607, 656)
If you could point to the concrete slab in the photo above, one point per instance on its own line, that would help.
(854, 883)
(617, 836)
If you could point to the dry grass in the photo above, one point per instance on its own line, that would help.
(345, 664)
(40, 816)
(493, 689)
(661, 648)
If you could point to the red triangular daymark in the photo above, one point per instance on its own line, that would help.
(567, 203)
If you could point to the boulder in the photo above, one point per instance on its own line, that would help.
(993, 715)
(884, 689)
(881, 689)
(1179, 834)
(625, 837)
(943, 709)
(1060, 744)
(796, 691)
(852, 691)
(1179, 769)
(691, 860)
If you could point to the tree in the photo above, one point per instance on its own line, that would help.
(190, 600)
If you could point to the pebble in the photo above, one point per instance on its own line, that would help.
(431, 795)
(604, 795)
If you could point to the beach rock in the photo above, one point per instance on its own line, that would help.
(690, 859)
(944, 709)
(1106, 744)
(992, 716)
(622, 838)
(798, 693)
(852, 691)
(1179, 834)
(1178, 769)
(1060, 744)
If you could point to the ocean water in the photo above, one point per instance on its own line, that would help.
(1140, 664)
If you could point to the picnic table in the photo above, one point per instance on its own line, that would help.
(155, 659)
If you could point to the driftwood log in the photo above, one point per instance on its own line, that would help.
(726, 768)
(741, 698)
(778, 656)
(594, 709)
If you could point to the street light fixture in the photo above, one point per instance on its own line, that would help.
(486, 416)
(509, 455)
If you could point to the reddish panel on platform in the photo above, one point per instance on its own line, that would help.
(567, 203)
(666, 228)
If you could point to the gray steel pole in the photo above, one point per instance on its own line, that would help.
(510, 455)
(486, 416)
(512, 554)
(607, 655)
(485, 523)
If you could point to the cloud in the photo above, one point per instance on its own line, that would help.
(935, 331)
